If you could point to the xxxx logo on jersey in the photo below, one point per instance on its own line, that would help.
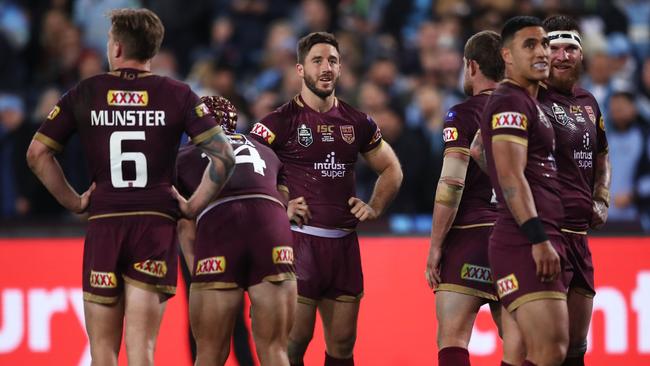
(450, 134)
(128, 98)
(152, 268)
(282, 255)
(263, 132)
(211, 265)
(510, 120)
(54, 112)
(103, 279)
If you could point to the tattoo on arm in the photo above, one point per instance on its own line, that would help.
(479, 152)
(219, 151)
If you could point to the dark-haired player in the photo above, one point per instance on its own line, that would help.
(130, 123)
(241, 241)
(526, 248)
(583, 169)
(464, 213)
(318, 138)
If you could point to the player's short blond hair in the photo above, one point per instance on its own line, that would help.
(140, 32)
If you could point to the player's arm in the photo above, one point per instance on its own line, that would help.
(510, 162)
(221, 166)
(41, 160)
(384, 162)
(477, 152)
(448, 196)
(186, 230)
(602, 182)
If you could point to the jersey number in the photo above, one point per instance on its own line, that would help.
(118, 157)
(253, 157)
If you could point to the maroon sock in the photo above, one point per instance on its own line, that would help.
(574, 361)
(503, 363)
(331, 361)
(453, 356)
(528, 363)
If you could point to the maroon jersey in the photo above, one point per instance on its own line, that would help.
(319, 151)
(511, 114)
(130, 124)
(258, 170)
(478, 206)
(580, 136)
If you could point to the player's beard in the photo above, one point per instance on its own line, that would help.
(567, 81)
(321, 93)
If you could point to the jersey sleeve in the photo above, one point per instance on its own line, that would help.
(60, 123)
(272, 130)
(371, 135)
(457, 133)
(602, 147)
(510, 121)
(199, 123)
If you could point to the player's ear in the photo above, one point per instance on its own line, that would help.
(301, 70)
(506, 55)
(473, 67)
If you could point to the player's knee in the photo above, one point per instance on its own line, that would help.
(342, 346)
(555, 353)
(297, 348)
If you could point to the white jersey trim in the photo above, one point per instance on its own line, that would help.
(322, 232)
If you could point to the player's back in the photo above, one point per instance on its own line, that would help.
(258, 170)
(130, 124)
(477, 205)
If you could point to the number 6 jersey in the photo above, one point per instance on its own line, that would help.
(130, 124)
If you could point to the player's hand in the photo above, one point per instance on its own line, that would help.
(599, 216)
(183, 205)
(432, 272)
(547, 261)
(361, 210)
(84, 199)
(298, 211)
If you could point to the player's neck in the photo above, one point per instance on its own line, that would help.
(132, 64)
(531, 86)
(483, 86)
(563, 89)
(317, 103)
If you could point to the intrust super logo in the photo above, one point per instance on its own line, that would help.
(103, 279)
(330, 168)
(507, 285)
(128, 98)
(510, 120)
(473, 272)
(152, 268)
(211, 265)
(282, 255)
(263, 132)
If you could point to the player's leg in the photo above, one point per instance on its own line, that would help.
(274, 307)
(514, 351)
(104, 328)
(455, 313)
(143, 311)
(340, 330)
(212, 317)
(580, 308)
(544, 326)
(302, 331)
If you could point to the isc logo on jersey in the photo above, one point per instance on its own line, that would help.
(211, 265)
(103, 279)
(128, 98)
(450, 134)
(507, 285)
(282, 255)
(263, 132)
(510, 120)
(152, 268)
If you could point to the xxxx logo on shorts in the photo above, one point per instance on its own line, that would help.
(152, 268)
(507, 285)
(128, 98)
(211, 265)
(263, 132)
(103, 279)
(473, 272)
(282, 255)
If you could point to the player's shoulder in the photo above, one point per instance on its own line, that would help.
(508, 94)
(584, 94)
(350, 113)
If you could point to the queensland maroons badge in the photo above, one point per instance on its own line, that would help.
(305, 138)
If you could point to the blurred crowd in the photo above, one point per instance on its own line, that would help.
(402, 64)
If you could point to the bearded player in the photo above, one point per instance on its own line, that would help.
(240, 242)
(526, 249)
(465, 210)
(318, 138)
(583, 170)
